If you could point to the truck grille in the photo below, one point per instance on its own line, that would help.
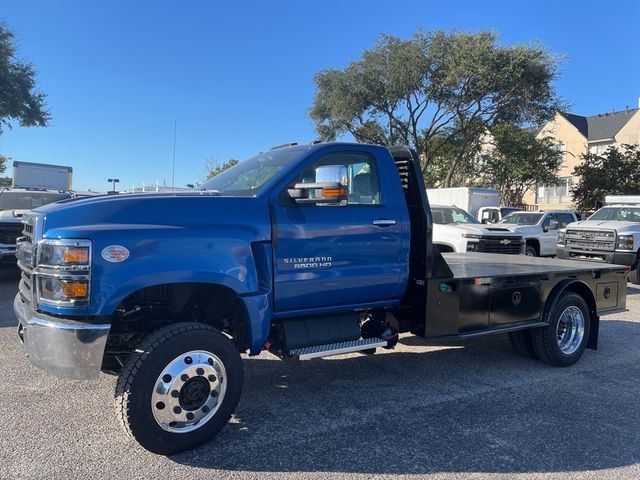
(9, 233)
(590, 239)
(506, 245)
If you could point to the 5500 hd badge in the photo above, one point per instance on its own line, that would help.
(309, 262)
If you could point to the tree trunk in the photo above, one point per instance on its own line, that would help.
(456, 161)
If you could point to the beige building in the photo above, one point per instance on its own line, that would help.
(576, 135)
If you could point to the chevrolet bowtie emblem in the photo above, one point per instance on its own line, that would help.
(505, 242)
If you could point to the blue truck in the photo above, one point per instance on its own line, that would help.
(304, 251)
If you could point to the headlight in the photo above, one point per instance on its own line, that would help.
(561, 236)
(61, 254)
(63, 272)
(471, 235)
(625, 242)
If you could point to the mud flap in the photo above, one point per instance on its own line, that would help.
(592, 342)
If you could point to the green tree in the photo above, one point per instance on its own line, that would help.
(214, 167)
(616, 172)
(519, 162)
(19, 99)
(436, 85)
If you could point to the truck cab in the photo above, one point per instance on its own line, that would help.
(302, 251)
(495, 214)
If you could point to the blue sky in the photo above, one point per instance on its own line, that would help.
(237, 76)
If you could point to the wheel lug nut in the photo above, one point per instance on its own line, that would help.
(200, 371)
(188, 360)
(175, 393)
(166, 378)
(189, 416)
(184, 377)
(212, 378)
(214, 393)
(160, 405)
(205, 409)
(177, 410)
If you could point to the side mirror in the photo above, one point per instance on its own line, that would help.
(486, 221)
(324, 193)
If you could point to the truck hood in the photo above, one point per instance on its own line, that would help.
(192, 210)
(522, 229)
(617, 225)
(473, 228)
(11, 216)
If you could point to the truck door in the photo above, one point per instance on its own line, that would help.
(333, 255)
(549, 235)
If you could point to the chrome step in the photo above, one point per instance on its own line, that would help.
(316, 351)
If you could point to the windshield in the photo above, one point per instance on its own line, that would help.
(27, 200)
(522, 218)
(623, 214)
(445, 215)
(248, 176)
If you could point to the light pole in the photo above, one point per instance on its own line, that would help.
(114, 181)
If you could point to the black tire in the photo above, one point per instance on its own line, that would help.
(133, 395)
(546, 341)
(530, 251)
(634, 273)
(522, 343)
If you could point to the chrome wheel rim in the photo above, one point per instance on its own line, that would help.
(188, 392)
(570, 330)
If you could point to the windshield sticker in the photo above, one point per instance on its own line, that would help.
(308, 262)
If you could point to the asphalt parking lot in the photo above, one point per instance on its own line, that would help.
(467, 410)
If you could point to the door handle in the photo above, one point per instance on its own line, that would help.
(384, 222)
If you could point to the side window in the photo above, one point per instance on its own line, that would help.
(564, 219)
(547, 221)
(356, 171)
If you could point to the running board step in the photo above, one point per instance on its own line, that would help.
(337, 348)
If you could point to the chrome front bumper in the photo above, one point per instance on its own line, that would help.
(62, 347)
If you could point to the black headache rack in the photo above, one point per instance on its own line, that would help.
(424, 263)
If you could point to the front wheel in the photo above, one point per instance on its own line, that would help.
(530, 251)
(179, 388)
(563, 340)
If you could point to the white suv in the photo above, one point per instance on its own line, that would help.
(454, 230)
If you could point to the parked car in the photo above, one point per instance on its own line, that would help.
(14, 202)
(611, 235)
(540, 229)
(455, 230)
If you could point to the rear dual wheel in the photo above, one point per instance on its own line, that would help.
(179, 388)
(563, 341)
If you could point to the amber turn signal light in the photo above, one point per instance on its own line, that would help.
(75, 290)
(76, 255)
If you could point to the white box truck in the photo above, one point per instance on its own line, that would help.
(42, 176)
(470, 199)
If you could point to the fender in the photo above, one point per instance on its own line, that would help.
(221, 255)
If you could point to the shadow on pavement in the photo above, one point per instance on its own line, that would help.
(472, 409)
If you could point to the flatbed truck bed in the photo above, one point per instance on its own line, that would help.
(484, 265)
